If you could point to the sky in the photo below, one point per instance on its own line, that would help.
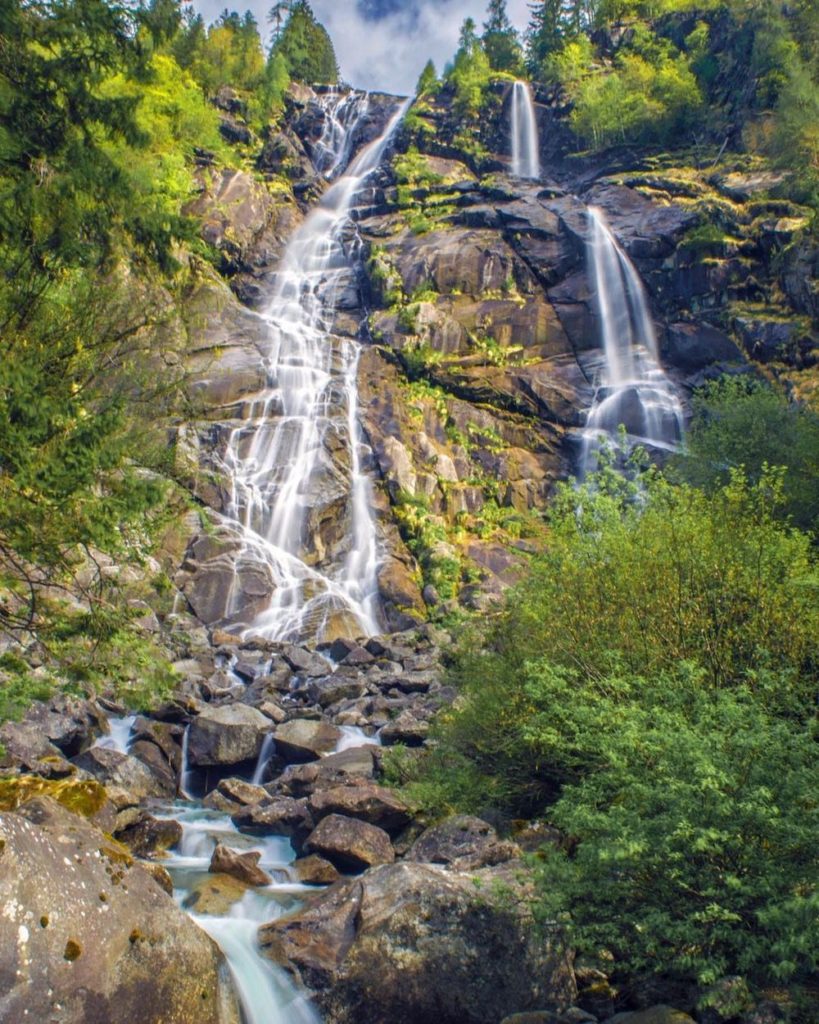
(384, 44)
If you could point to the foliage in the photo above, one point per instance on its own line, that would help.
(62, 192)
(634, 581)
(747, 424)
(306, 47)
(469, 74)
(650, 690)
(640, 100)
(694, 825)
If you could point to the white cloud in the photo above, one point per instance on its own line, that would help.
(388, 54)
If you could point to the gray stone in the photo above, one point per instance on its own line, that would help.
(227, 735)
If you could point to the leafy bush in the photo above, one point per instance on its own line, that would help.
(694, 828)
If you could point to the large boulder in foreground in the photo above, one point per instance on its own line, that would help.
(227, 735)
(417, 944)
(87, 937)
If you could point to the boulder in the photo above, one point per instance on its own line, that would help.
(244, 866)
(406, 729)
(241, 792)
(315, 870)
(463, 841)
(87, 935)
(367, 802)
(112, 768)
(303, 739)
(350, 844)
(414, 943)
(227, 735)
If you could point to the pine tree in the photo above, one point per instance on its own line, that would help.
(500, 40)
(307, 47)
(428, 81)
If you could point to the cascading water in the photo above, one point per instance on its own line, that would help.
(633, 390)
(342, 114)
(283, 461)
(525, 143)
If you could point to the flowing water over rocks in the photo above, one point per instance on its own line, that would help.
(632, 389)
(306, 560)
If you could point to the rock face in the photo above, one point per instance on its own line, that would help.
(227, 735)
(100, 943)
(129, 773)
(414, 944)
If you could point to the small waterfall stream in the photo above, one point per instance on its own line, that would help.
(525, 142)
(633, 390)
(283, 460)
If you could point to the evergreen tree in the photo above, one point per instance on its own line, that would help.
(306, 46)
(428, 80)
(500, 40)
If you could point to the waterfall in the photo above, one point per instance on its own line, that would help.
(525, 144)
(633, 391)
(295, 462)
(265, 753)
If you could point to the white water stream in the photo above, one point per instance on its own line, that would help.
(633, 389)
(525, 142)
(299, 448)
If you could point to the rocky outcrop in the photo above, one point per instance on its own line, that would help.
(101, 941)
(417, 944)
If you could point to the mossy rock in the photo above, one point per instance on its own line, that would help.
(84, 797)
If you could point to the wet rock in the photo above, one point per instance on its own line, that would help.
(464, 841)
(280, 816)
(302, 740)
(112, 768)
(226, 735)
(373, 804)
(410, 942)
(315, 870)
(101, 940)
(350, 844)
(215, 895)
(148, 835)
(244, 866)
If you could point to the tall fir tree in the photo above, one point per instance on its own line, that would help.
(500, 40)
